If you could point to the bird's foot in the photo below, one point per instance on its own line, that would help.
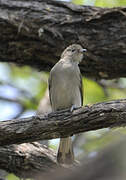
(73, 107)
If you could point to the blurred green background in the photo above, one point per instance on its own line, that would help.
(21, 89)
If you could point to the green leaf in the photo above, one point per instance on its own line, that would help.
(78, 2)
(108, 3)
(92, 92)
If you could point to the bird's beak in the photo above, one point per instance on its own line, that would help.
(83, 50)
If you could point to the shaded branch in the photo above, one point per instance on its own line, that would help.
(108, 164)
(33, 160)
(27, 160)
(63, 123)
(35, 33)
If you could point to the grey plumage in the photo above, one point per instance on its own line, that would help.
(65, 91)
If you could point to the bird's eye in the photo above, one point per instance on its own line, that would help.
(73, 50)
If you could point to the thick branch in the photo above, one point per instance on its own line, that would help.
(27, 160)
(34, 160)
(63, 123)
(108, 164)
(36, 32)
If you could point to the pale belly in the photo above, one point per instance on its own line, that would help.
(65, 94)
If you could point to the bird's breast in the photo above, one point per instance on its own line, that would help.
(65, 89)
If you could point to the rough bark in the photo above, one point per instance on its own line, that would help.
(36, 32)
(63, 123)
(27, 160)
(33, 160)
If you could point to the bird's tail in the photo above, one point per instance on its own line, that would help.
(65, 153)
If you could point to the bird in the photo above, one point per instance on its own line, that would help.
(65, 91)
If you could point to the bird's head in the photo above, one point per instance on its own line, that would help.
(73, 53)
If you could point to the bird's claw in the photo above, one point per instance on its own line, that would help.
(73, 107)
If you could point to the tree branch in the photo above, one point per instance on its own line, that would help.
(108, 164)
(63, 123)
(36, 32)
(27, 160)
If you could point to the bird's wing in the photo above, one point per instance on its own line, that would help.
(49, 85)
(81, 89)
